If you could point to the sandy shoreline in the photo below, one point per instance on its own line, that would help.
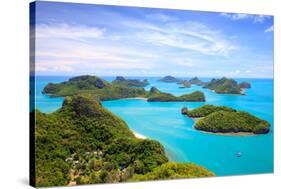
(136, 98)
(139, 136)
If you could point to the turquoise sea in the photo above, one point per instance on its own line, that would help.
(163, 121)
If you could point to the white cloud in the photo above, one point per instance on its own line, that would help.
(160, 17)
(54, 66)
(143, 46)
(57, 52)
(270, 29)
(185, 62)
(234, 73)
(241, 16)
(68, 31)
(189, 36)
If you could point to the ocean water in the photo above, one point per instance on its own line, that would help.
(164, 122)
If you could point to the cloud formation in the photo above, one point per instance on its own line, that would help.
(151, 43)
(68, 31)
(241, 16)
(269, 29)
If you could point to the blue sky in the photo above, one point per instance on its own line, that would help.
(75, 39)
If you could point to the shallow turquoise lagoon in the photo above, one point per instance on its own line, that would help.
(163, 121)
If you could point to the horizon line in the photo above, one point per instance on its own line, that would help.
(74, 75)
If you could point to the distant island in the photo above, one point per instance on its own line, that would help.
(226, 86)
(184, 84)
(196, 81)
(118, 89)
(222, 85)
(83, 143)
(157, 96)
(224, 120)
(130, 82)
(245, 85)
(169, 79)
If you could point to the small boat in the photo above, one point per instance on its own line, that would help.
(238, 154)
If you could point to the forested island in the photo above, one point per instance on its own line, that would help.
(227, 86)
(83, 143)
(222, 85)
(118, 89)
(157, 96)
(120, 80)
(196, 81)
(184, 84)
(222, 119)
(170, 79)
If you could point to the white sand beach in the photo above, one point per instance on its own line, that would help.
(140, 136)
(138, 98)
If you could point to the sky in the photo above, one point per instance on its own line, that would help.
(76, 39)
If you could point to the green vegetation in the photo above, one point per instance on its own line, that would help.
(206, 110)
(173, 170)
(169, 79)
(196, 96)
(130, 82)
(185, 84)
(95, 86)
(83, 143)
(196, 81)
(226, 86)
(118, 89)
(226, 120)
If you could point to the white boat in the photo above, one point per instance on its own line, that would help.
(238, 154)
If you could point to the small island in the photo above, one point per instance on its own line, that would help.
(157, 96)
(120, 80)
(118, 89)
(196, 81)
(184, 84)
(169, 79)
(226, 86)
(225, 120)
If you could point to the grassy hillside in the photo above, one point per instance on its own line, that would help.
(83, 143)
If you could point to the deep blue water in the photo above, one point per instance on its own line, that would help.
(163, 121)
